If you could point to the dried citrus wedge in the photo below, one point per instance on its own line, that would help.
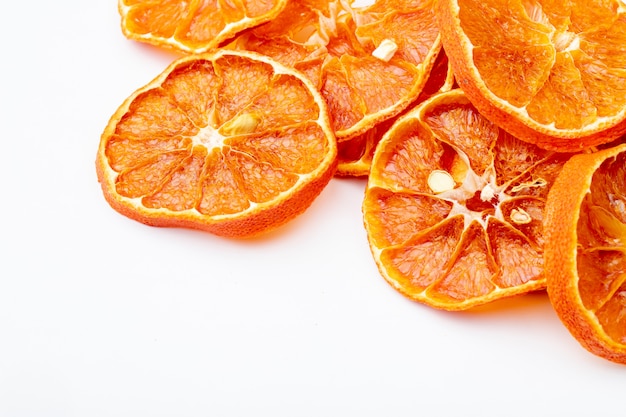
(454, 206)
(193, 26)
(585, 251)
(368, 63)
(355, 154)
(552, 73)
(228, 142)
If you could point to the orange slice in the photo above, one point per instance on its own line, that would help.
(228, 142)
(585, 250)
(454, 206)
(355, 154)
(370, 63)
(193, 26)
(551, 73)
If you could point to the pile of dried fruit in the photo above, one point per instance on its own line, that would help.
(490, 134)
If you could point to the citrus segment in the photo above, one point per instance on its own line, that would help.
(229, 142)
(452, 220)
(193, 26)
(551, 74)
(586, 250)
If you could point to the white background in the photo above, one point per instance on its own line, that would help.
(103, 316)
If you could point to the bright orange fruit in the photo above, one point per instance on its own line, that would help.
(454, 206)
(229, 142)
(585, 250)
(193, 26)
(552, 73)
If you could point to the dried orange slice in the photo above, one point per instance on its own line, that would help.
(585, 251)
(552, 73)
(370, 63)
(454, 206)
(228, 142)
(193, 26)
(355, 154)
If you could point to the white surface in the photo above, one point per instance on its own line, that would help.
(103, 316)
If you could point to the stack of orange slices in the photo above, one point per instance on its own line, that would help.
(490, 134)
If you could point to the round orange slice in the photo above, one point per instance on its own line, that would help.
(370, 63)
(229, 142)
(585, 252)
(355, 154)
(193, 26)
(454, 206)
(552, 73)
